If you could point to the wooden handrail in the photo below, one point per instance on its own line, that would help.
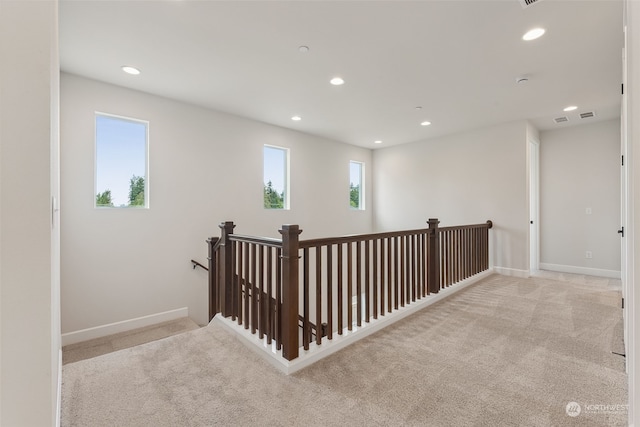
(197, 264)
(351, 238)
(265, 241)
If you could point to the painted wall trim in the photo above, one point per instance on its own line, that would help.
(123, 326)
(318, 352)
(511, 272)
(613, 274)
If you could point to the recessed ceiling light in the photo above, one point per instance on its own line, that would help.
(418, 108)
(571, 108)
(337, 81)
(377, 142)
(425, 123)
(303, 49)
(130, 70)
(296, 118)
(533, 34)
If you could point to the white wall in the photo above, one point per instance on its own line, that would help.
(580, 169)
(205, 167)
(632, 304)
(29, 245)
(465, 178)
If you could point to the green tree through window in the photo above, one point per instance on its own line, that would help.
(104, 199)
(273, 199)
(136, 191)
(354, 195)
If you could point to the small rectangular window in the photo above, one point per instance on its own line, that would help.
(276, 177)
(121, 162)
(356, 185)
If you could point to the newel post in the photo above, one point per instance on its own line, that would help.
(289, 319)
(225, 278)
(433, 263)
(214, 307)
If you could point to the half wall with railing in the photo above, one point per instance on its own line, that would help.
(292, 293)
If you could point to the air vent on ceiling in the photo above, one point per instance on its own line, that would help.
(561, 119)
(526, 3)
(587, 114)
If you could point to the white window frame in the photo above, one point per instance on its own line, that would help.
(362, 185)
(146, 160)
(287, 175)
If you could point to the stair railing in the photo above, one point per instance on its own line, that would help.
(275, 287)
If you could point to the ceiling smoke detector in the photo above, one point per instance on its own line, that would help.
(527, 3)
(562, 119)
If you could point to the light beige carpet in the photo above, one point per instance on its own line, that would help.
(502, 352)
(99, 346)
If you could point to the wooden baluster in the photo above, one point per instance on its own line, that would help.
(234, 281)
(245, 285)
(306, 329)
(465, 249)
(318, 295)
(444, 247)
(329, 294)
(349, 286)
(396, 282)
(451, 255)
(476, 251)
(340, 291)
(290, 249)
(414, 277)
(463, 254)
(358, 284)
(278, 316)
(425, 256)
(375, 279)
(260, 292)
(254, 291)
(367, 282)
(469, 253)
(389, 273)
(269, 303)
(238, 279)
(459, 245)
(402, 271)
(448, 260)
(382, 277)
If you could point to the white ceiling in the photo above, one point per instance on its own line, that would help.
(458, 60)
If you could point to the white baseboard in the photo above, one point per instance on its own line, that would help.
(613, 274)
(328, 347)
(512, 272)
(123, 326)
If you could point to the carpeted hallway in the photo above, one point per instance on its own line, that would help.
(504, 351)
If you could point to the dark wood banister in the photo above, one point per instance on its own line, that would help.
(222, 274)
(197, 264)
(382, 235)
